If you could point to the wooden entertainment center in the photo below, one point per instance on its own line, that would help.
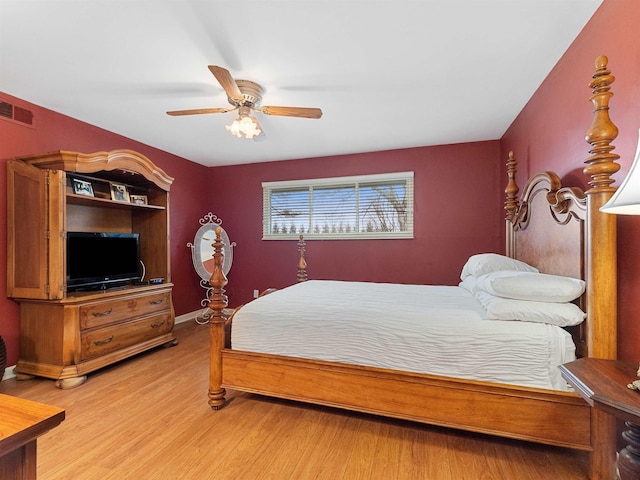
(66, 334)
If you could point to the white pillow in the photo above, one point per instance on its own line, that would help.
(482, 263)
(468, 283)
(537, 287)
(560, 314)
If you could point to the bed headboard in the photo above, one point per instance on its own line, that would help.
(561, 230)
(546, 226)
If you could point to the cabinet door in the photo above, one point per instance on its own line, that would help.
(28, 232)
(56, 238)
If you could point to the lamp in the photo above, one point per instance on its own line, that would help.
(626, 200)
(245, 125)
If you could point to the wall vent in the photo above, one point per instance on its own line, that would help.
(6, 110)
(15, 113)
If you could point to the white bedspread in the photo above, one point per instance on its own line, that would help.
(420, 328)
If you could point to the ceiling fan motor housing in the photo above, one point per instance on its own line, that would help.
(251, 91)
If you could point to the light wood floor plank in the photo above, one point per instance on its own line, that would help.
(147, 418)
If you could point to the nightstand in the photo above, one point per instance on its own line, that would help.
(603, 384)
(21, 423)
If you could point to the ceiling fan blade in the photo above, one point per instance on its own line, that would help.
(301, 112)
(199, 111)
(227, 82)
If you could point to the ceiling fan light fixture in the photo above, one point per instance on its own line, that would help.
(245, 125)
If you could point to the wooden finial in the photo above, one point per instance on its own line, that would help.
(511, 202)
(217, 299)
(602, 163)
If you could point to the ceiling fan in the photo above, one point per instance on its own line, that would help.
(246, 96)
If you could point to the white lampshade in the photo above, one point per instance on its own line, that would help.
(626, 200)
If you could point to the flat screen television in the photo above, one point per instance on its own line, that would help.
(102, 260)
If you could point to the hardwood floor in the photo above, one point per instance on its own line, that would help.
(147, 418)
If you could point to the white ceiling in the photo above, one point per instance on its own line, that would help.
(387, 74)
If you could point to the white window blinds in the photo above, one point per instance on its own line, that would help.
(367, 206)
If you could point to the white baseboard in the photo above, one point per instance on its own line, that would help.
(187, 317)
(197, 316)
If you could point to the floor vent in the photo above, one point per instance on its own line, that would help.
(18, 114)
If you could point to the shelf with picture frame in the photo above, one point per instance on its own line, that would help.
(87, 190)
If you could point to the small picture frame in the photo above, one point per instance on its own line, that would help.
(82, 187)
(139, 199)
(119, 192)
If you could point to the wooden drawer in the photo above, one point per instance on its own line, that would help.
(102, 341)
(98, 314)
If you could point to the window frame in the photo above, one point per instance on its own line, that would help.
(339, 182)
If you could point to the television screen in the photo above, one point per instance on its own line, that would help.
(100, 260)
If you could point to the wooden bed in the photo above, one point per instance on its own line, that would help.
(558, 229)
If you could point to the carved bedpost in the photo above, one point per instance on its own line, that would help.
(302, 263)
(601, 263)
(217, 302)
(511, 204)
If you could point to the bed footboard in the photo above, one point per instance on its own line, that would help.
(542, 416)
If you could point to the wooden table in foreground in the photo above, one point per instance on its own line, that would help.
(603, 384)
(21, 423)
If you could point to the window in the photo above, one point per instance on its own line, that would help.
(368, 206)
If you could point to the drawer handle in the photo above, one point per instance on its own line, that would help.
(158, 325)
(103, 342)
(156, 302)
(102, 314)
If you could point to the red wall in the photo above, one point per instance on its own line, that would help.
(457, 189)
(188, 198)
(549, 134)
